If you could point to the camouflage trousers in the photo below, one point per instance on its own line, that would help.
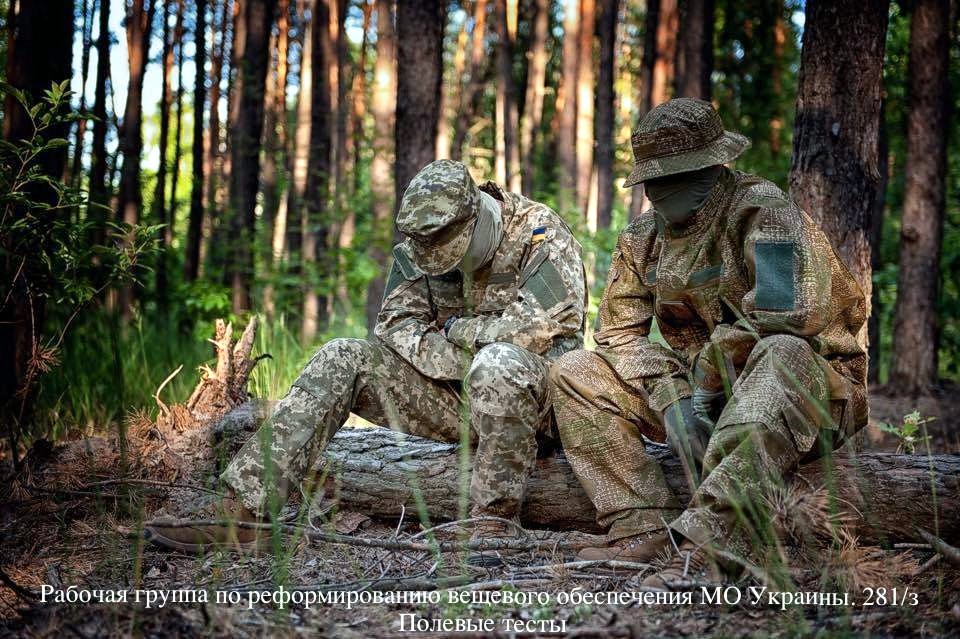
(772, 420)
(504, 405)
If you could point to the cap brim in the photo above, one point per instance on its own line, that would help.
(437, 259)
(724, 149)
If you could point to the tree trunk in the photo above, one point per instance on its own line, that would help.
(359, 96)
(274, 127)
(191, 264)
(668, 23)
(835, 173)
(886, 495)
(645, 99)
(470, 96)
(506, 165)
(159, 205)
(316, 217)
(381, 185)
(567, 107)
(420, 27)
(695, 51)
(138, 21)
(213, 160)
(609, 10)
(915, 336)
(39, 53)
(98, 147)
(450, 90)
(76, 167)
(178, 126)
(586, 92)
(249, 84)
(536, 89)
(876, 239)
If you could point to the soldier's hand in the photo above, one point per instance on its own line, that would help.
(707, 405)
(449, 324)
(688, 436)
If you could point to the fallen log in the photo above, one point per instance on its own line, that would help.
(883, 497)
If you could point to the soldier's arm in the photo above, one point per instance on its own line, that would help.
(406, 324)
(626, 316)
(550, 302)
(788, 263)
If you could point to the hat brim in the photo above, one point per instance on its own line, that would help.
(437, 259)
(724, 149)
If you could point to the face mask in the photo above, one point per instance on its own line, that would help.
(487, 233)
(677, 197)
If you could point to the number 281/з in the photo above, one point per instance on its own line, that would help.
(890, 597)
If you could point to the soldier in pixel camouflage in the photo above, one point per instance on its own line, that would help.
(487, 289)
(759, 364)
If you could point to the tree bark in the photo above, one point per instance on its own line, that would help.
(139, 19)
(359, 91)
(567, 106)
(213, 160)
(876, 238)
(159, 205)
(609, 10)
(316, 216)
(915, 335)
(274, 127)
(191, 263)
(378, 471)
(664, 65)
(506, 165)
(536, 90)
(381, 186)
(695, 50)
(835, 173)
(98, 147)
(420, 27)
(247, 127)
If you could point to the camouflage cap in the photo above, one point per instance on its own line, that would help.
(437, 214)
(683, 134)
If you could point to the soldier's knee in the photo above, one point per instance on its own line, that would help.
(501, 365)
(572, 365)
(340, 356)
(788, 347)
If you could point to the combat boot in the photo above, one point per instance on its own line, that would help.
(637, 548)
(201, 539)
(692, 565)
(492, 530)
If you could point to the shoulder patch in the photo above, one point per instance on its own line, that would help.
(775, 276)
(538, 235)
(402, 259)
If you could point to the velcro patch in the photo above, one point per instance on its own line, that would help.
(538, 234)
(402, 259)
(775, 276)
(546, 285)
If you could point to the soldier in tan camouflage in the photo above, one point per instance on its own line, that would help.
(759, 363)
(486, 290)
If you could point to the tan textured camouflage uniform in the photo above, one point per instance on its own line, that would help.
(750, 299)
(520, 311)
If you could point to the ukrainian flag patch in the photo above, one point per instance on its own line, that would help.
(539, 234)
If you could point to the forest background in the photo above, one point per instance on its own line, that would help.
(217, 158)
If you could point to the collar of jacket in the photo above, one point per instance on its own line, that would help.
(708, 211)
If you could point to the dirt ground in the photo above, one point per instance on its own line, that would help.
(71, 533)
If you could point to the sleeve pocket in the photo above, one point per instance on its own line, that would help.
(775, 286)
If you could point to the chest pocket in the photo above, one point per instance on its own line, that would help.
(500, 292)
(446, 292)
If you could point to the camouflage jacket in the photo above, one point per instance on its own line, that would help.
(749, 263)
(532, 295)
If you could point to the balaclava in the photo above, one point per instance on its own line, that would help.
(487, 233)
(677, 197)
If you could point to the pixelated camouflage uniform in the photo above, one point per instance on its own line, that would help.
(749, 298)
(486, 381)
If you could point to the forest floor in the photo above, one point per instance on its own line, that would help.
(76, 532)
